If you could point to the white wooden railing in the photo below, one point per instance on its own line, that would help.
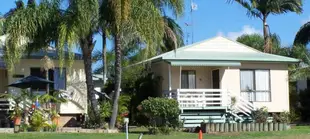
(243, 106)
(75, 97)
(208, 98)
(200, 98)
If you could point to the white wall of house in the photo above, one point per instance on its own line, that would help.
(75, 81)
(230, 80)
(278, 81)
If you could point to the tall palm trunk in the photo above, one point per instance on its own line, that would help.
(118, 72)
(104, 58)
(267, 43)
(87, 47)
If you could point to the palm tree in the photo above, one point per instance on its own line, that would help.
(173, 37)
(261, 9)
(134, 18)
(27, 33)
(303, 35)
(53, 25)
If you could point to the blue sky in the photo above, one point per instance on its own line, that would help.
(217, 17)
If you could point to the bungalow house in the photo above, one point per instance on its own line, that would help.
(71, 80)
(219, 79)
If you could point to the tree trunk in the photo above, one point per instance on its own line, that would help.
(87, 47)
(104, 58)
(267, 44)
(118, 72)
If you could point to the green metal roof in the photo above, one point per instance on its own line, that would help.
(219, 50)
(204, 63)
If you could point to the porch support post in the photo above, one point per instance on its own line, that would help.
(169, 76)
(180, 78)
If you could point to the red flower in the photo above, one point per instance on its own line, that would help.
(124, 114)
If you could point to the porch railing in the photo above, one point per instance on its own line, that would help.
(200, 98)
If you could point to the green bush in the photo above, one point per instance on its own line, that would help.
(285, 117)
(260, 115)
(24, 127)
(53, 127)
(162, 112)
(105, 109)
(37, 121)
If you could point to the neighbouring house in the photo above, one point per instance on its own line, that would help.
(98, 82)
(71, 80)
(219, 79)
(303, 84)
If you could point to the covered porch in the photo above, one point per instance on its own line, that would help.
(198, 84)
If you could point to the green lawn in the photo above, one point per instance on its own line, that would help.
(296, 133)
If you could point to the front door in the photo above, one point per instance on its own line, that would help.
(216, 85)
(216, 79)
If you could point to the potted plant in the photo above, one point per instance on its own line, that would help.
(16, 116)
(55, 117)
(17, 99)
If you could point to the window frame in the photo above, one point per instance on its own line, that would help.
(254, 84)
(194, 71)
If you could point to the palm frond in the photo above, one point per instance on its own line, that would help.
(303, 35)
(284, 6)
(173, 37)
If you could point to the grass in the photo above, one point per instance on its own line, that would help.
(295, 133)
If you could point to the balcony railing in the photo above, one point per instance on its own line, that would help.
(200, 98)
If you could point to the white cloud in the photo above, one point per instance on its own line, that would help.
(247, 29)
(305, 20)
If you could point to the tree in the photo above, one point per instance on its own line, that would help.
(261, 9)
(256, 41)
(303, 35)
(144, 22)
(173, 37)
(296, 72)
(51, 24)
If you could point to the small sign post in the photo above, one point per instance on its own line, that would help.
(126, 121)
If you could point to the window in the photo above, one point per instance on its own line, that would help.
(59, 79)
(55, 75)
(188, 79)
(255, 85)
(39, 73)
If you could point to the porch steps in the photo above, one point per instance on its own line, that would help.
(192, 118)
(4, 105)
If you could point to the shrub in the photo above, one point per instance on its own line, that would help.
(24, 127)
(260, 115)
(294, 115)
(284, 117)
(37, 121)
(162, 112)
(105, 109)
(53, 127)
